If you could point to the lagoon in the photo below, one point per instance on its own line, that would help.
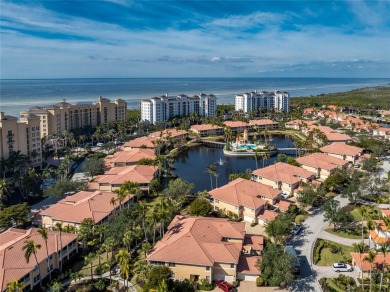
(191, 165)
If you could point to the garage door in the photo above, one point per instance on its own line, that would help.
(244, 277)
(248, 219)
(226, 278)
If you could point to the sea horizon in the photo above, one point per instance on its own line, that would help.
(18, 95)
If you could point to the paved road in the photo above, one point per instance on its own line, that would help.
(304, 243)
(339, 239)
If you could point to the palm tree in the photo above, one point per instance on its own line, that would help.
(153, 218)
(371, 259)
(145, 248)
(131, 188)
(256, 157)
(142, 209)
(59, 227)
(122, 256)
(265, 156)
(109, 245)
(142, 269)
(88, 260)
(3, 190)
(363, 212)
(211, 171)
(30, 247)
(43, 233)
(15, 286)
(360, 248)
(121, 196)
(125, 272)
(128, 239)
(384, 250)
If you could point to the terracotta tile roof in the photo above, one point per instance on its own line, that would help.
(255, 241)
(341, 148)
(261, 122)
(283, 205)
(378, 239)
(88, 204)
(165, 133)
(130, 156)
(202, 239)
(248, 265)
(267, 215)
(242, 192)
(331, 135)
(141, 142)
(12, 262)
(284, 172)
(142, 174)
(385, 212)
(321, 160)
(381, 225)
(235, 124)
(378, 261)
(205, 127)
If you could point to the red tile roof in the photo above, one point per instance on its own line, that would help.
(321, 160)
(205, 127)
(13, 265)
(96, 205)
(130, 156)
(267, 215)
(142, 174)
(361, 263)
(341, 148)
(262, 122)
(202, 238)
(242, 192)
(235, 124)
(284, 172)
(248, 265)
(255, 241)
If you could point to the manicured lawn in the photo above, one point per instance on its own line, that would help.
(328, 258)
(86, 269)
(333, 285)
(372, 214)
(345, 233)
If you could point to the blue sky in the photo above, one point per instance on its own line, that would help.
(125, 38)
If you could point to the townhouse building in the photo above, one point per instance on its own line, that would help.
(22, 135)
(321, 164)
(163, 108)
(244, 198)
(129, 157)
(56, 118)
(114, 178)
(343, 151)
(380, 235)
(73, 209)
(283, 176)
(207, 130)
(13, 265)
(215, 249)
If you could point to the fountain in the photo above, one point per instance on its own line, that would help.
(220, 162)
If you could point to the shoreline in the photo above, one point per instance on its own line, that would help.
(19, 94)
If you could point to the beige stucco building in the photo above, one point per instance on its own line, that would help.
(21, 135)
(13, 265)
(214, 249)
(54, 119)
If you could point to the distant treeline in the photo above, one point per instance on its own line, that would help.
(368, 98)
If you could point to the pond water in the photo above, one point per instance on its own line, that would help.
(191, 165)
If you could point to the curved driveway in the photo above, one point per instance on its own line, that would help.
(303, 244)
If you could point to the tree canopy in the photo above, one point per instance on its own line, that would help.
(16, 215)
(200, 207)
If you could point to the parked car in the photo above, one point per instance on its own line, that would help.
(99, 144)
(341, 267)
(297, 228)
(285, 195)
(224, 286)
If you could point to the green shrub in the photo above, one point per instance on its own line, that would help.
(205, 285)
(319, 245)
(259, 281)
(299, 219)
(253, 224)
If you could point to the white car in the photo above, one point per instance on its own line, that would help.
(285, 195)
(341, 267)
(99, 144)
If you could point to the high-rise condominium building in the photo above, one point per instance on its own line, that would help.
(160, 109)
(21, 135)
(252, 101)
(55, 119)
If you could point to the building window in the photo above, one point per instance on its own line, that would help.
(216, 201)
(172, 265)
(207, 268)
(232, 266)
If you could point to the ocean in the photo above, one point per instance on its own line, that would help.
(19, 95)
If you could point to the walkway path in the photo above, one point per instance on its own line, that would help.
(339, 239)
(106, 276)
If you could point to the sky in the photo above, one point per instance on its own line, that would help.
(130, 38)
